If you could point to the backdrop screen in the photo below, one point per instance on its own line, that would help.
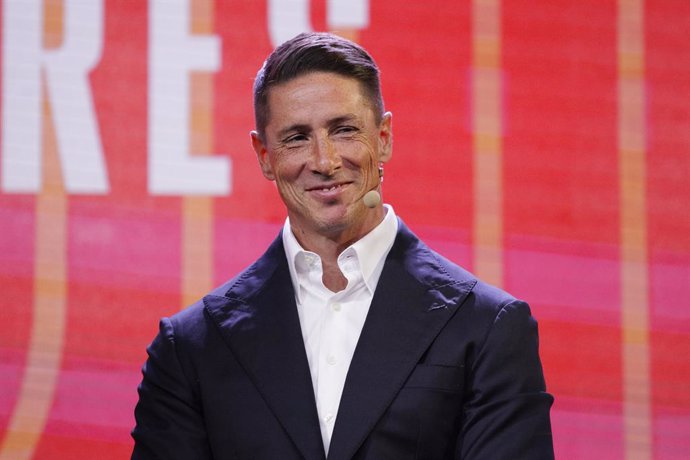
(545, 146)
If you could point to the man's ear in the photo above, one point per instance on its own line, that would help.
(386, 137)
(262, 156)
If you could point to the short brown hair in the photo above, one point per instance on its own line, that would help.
(315, 52)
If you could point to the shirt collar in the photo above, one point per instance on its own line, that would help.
(371, 251)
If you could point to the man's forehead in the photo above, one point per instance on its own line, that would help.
(303, 83)
(330, 94)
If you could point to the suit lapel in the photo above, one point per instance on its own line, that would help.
(258, 319)
(414, 299)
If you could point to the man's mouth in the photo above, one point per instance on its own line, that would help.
(329, 192)
(333, 187)
(327, 188)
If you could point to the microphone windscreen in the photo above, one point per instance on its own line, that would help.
(372, 199)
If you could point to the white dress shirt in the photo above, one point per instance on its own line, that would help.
(332, 322)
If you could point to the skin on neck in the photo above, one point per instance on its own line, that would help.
(330, 246)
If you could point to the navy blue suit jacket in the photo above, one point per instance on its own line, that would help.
(446, 367)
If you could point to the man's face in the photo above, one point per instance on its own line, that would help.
(322, 146)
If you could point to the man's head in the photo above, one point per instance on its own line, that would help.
(321, 135)
(315, 52)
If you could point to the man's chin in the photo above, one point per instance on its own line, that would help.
(332, 224)
(335, 222)
(332, 219)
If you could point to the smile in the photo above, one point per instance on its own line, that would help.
(329, 192)
(331, 188)
(328, 188)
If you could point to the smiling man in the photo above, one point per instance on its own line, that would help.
(323, 143)
(349, 338)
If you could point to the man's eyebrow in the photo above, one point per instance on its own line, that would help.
(350, 117)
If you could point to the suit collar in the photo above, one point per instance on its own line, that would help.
(257, 316)
(258, 319)
(414, 300)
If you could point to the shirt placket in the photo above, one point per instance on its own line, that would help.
(335, 355)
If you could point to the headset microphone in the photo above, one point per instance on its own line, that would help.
(372, 199)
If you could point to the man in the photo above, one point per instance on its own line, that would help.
(349, 338)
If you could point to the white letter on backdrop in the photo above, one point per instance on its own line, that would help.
(174, 52)
(348, 14)
(66, 71)
(287, 18)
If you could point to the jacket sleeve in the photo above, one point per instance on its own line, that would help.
(507, 414)
(169, 421)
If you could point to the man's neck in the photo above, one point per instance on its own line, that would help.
(329, 247)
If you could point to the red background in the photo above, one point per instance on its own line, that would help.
(561, 240)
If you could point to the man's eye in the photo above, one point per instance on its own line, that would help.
(297, 138)
(346, 130)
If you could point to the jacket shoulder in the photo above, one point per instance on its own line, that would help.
(434, 269)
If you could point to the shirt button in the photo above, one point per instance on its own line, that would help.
(328, 418)
(331, 360)
(336, 306)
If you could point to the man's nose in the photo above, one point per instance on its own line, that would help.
(326, 159)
